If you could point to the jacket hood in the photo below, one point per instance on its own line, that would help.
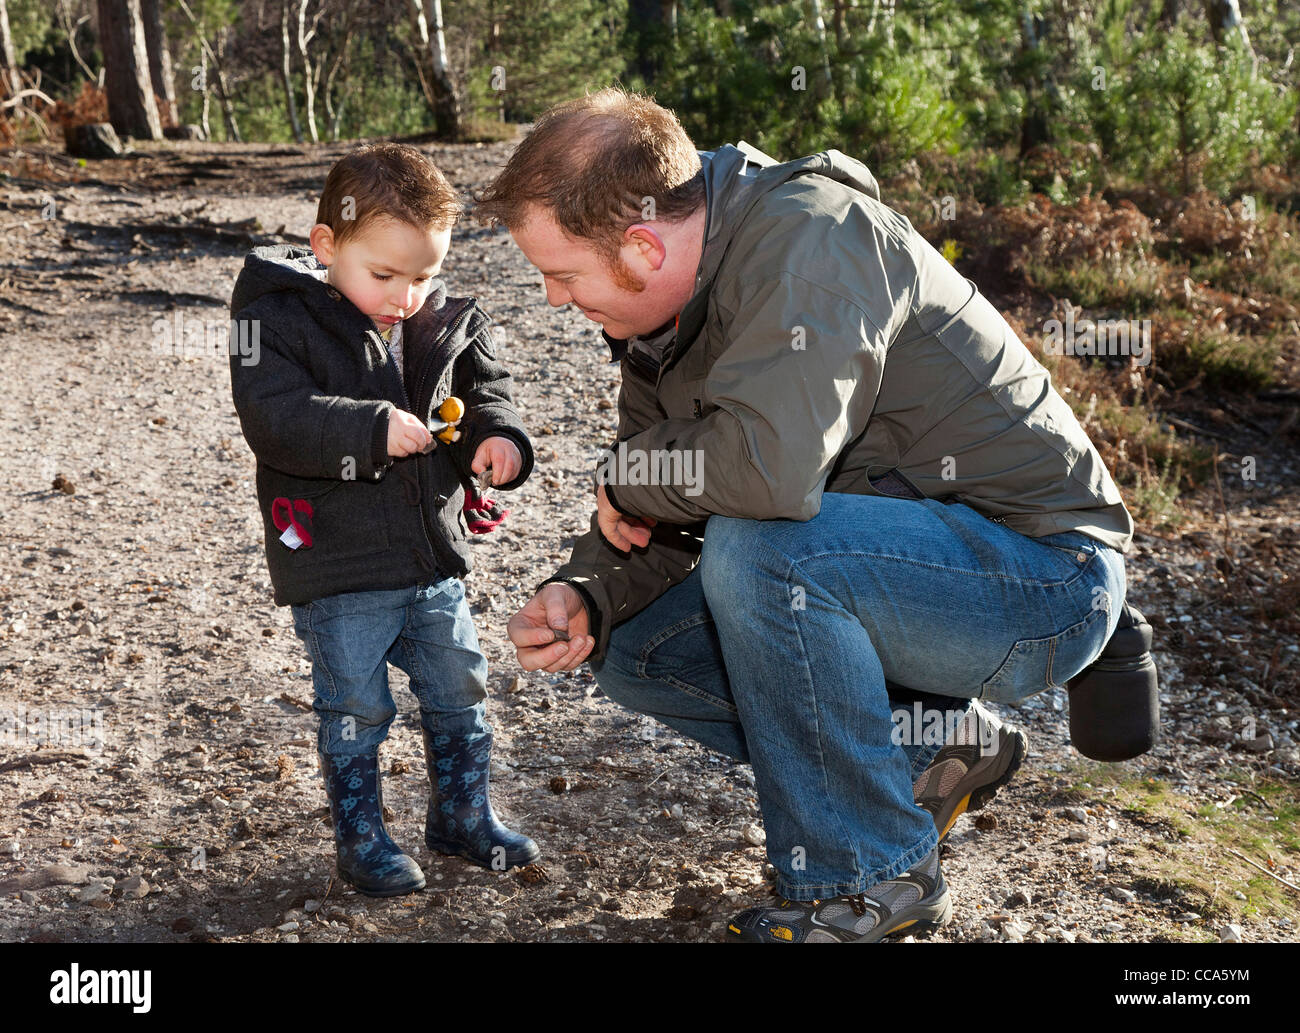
(289, 267)
(736, 177)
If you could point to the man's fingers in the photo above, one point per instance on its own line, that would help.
(543, 637)
(558, 656)
(634, 534)
(574, 655)
(557, 615)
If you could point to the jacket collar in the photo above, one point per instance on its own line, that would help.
(735, 179)
(290, 267)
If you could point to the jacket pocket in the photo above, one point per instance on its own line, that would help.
(346, 518)
(894, 484)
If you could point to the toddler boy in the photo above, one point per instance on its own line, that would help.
(362, 507)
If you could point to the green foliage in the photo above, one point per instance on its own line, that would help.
(901, 108)
(32, 28)
(1203, 118)
(545, 52)
(761, 76)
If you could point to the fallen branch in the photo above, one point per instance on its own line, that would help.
(1254, 864)
(1192, 429)
(17, 99)
(33, 759)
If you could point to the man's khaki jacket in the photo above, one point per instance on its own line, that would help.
(828, 347)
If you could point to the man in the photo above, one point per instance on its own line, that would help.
(839, 476)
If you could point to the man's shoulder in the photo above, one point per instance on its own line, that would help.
(817, 230)
(815, 205)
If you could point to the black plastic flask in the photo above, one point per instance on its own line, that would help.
(1115, 700)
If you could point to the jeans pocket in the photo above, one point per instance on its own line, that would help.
(1034, 665)
(1075, 543)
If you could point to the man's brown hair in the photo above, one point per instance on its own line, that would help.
(595, 163)
(389, 179)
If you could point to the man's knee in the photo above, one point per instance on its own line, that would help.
(617, 675)
(740, 562)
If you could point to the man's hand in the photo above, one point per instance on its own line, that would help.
(407, 434)
(620, 530)
(502, 455)
(556, 606)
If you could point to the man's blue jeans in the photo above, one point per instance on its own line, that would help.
(426, 630)
(781, 646)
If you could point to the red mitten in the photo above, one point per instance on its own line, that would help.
(482, 514)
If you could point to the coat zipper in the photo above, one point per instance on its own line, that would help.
(424, 376)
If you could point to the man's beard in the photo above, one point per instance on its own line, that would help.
(623, 277)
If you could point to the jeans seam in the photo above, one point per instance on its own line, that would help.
(1074, 630)
(812, 692)
(643, 659)
(318, 657)
(940, 566)
(695, 620)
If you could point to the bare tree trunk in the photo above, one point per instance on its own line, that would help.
(837, 19)
(420, 49)
(223, 88)
(207, 92)
(286, 71)
(305, 36)
(668, 14)
(337, 61)
(70, 30)
(446, 100)
(160, 61)
(819, 25)
(8, 63)
(131, 106)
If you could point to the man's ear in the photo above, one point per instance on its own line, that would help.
(321, 239)
(646, 244)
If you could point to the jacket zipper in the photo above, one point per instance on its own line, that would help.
(406, 402)
(424, 376)
(454, 325)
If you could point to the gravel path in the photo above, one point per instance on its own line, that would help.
(134, 596)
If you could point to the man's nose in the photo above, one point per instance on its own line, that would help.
(556, 295)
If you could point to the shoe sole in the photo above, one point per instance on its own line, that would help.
(920, 917)
(454, 850)
(976, 797)
(931, 917)
(414, 887)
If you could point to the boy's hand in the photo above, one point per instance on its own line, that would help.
(502, 455)
(531, 632)
(407, 434)
(621, 531)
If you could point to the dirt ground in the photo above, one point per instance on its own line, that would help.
(184, 801)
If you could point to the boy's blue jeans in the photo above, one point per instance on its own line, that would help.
(780, 648)
(426, 630)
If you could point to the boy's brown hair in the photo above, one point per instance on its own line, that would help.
(593, 162)
(389, 179)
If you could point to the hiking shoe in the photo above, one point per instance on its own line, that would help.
(973, 765)
(915, 901)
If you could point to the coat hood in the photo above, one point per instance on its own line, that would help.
(289, 267)
(736, 177)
